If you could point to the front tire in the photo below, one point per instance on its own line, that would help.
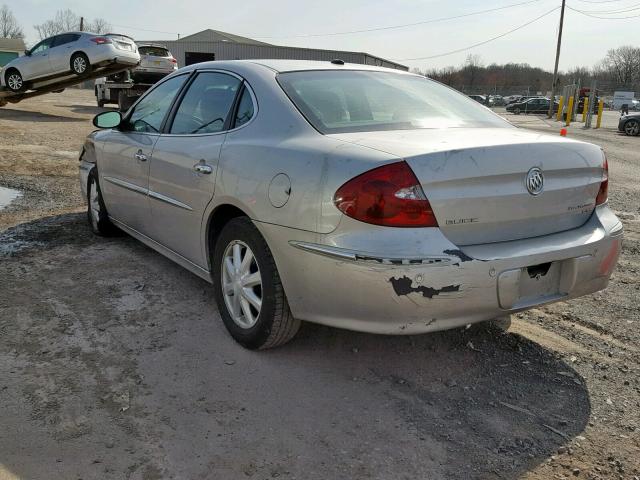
(96, 211)
(80, 64)
(248, 290)
(632, 128)
(516, 111)
(14, 81)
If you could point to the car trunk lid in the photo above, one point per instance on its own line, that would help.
(476, 179)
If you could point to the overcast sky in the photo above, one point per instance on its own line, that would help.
(585, 41)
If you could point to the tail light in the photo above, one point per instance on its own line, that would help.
(101, 40)
(603, 193)
(390, 195)
(173, 60)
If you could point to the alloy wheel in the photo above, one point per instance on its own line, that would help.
(241, 284)
(14, 81)
(632, 128)
(79, 64)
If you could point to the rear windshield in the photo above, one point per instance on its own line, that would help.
(361, 101)
(154, 51)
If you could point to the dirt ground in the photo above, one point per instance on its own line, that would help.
(114, 363)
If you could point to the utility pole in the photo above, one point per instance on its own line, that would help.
(82, 24)
(555, 70)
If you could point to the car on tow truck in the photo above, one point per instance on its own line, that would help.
(71, 53)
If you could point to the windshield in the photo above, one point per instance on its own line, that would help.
(361, 101)
(154, 51)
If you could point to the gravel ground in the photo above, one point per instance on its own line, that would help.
(114, 362)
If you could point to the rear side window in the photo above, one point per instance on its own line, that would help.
(65, 38)
(245, 109)
(206, 105)
(154, 51)
(149, 113)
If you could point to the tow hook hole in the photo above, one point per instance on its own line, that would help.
(538, 270)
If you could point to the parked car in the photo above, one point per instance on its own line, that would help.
(533, 105)
(630, 124)
(349, 195)
(479, 98)
(156, 62)
(67, 53)
(522, 98)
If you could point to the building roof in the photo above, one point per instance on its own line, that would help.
(210, 35)
(12, 45)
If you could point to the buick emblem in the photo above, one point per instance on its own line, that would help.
(534, 181)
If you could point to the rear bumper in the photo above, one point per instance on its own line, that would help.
(404, 281)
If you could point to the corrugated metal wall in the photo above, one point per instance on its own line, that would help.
(242, 51)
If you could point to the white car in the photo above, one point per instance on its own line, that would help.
(66, 53)
(156, 62)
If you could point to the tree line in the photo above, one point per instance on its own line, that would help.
(619, 70)
(63, 21)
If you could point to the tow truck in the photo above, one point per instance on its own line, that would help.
(119, 90)
(58, 84)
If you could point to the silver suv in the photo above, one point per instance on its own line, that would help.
(156, 62)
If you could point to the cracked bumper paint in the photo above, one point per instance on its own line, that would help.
(404, 281)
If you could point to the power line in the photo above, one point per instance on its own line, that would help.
(144, 30)
(609, 12)
(603, 18)
(405, 25)
(483, 42)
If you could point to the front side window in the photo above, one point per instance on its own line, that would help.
(360, 101)
(149, 113)
(43, 45)
(206, 105)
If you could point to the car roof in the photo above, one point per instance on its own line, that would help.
(281, 66)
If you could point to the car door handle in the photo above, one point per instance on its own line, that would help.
(203, 168)
(140, 156)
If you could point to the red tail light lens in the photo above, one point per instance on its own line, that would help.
(390, 195)
(603, 193)
(173, 60)
(101, 40)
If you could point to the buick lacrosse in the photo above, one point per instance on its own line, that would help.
(352, 196)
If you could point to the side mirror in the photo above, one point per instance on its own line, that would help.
(27, 53)
(107, 120)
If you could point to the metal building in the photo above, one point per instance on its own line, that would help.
(211, 45)
(10, 48)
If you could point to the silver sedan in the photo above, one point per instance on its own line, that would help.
(65, 54)
(352, 196)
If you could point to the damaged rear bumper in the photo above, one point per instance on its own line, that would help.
(404, 281)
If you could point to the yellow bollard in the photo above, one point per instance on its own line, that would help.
(560, 105)
(585, 109)
(569, 110)
(600, 108)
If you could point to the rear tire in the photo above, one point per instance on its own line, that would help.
(245, 275)
(96, 211)
(14, 81)
(80, 64)
(500, 324)
(632, 128)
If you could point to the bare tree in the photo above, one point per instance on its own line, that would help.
(623, 63)
(9, 27)
(64, 21)
(99, 25)
(472, 66)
